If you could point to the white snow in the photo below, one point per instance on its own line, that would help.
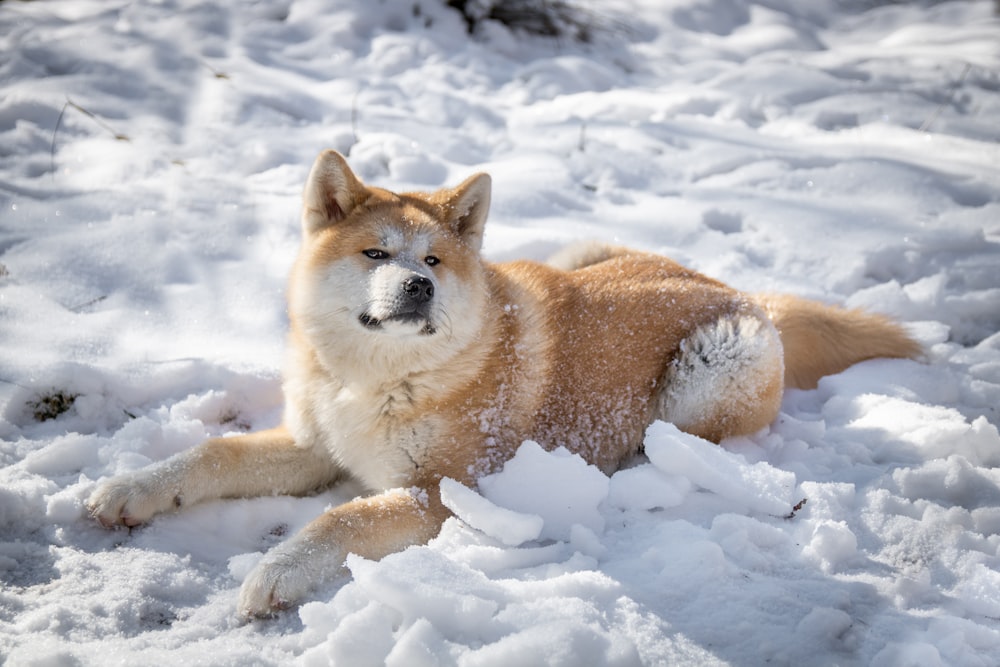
(759, 487)
(510, 527)
(558, 486)
(844, 150)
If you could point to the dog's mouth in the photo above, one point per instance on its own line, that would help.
(372, 323)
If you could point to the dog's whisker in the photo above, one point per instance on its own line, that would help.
(448, 324)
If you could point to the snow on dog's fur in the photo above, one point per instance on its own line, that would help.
(412, 359)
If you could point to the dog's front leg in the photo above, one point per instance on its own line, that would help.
(256, 464)
(371, 527)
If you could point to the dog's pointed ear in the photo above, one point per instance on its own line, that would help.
(332, 192)
(467, 205)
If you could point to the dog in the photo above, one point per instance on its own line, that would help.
(412, 359)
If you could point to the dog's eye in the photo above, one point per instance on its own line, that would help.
(375, 253)
(431, 260)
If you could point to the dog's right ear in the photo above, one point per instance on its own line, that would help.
(331, 192)
(467, 205)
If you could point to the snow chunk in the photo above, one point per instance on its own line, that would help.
(559, 486)
(915, 654)
(362, 638)
(421, 644)
(979, 589)
(422, 583)
(759, 487)
(953, 481)
(749, 542)
(646, 487)
(560, 642)
(241, 565)
(833, 545)
(826, 627)
(510, 527)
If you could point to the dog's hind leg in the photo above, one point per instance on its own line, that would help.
(726, 380)
(369, 527)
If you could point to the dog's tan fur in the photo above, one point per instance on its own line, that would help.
(445, 372)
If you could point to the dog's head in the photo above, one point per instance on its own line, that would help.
(404, 267)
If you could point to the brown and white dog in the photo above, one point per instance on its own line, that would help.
(413, 359)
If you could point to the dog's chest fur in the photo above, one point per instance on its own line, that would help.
(369, 431)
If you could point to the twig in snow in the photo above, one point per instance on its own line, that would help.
(937, 112)
(11, 382)
(55, 132)
(796, 508)
(86, 304)
(216, 73)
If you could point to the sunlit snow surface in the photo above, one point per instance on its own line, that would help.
(841, 151)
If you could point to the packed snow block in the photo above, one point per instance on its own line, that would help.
(422, 583)
(952, 482)
(350, 630)
(751, 543)
(909, 654)
(647, 487)
(558, 486)
(418, 645)
(758, 487)
(979, 590)
(833, 546)
(510, 527)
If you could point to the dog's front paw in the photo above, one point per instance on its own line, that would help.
(132, 499)
(284, 576)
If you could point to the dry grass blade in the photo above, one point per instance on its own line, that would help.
(70, 104)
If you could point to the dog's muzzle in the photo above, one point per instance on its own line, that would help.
(412, 305)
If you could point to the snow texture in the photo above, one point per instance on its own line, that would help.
(152, 155)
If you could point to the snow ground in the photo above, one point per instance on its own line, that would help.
(836, 149)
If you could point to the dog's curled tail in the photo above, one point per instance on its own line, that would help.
(582, 254)
(821, 340)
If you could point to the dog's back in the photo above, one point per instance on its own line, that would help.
(818, 339)
(719, 358)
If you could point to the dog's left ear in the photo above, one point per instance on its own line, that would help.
(332, 192)
(467, 206)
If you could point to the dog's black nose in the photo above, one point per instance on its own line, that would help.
(418, 288)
